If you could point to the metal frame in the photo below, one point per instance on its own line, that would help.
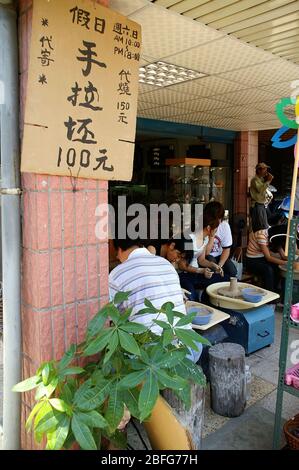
(287, 323)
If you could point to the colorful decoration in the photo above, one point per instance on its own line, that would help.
(282, 144)
(282, 117)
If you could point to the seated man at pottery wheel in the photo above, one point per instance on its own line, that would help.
(200, 272)
(260, 260)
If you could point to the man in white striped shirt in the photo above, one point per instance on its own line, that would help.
(150, 277)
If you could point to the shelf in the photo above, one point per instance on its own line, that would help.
(188, 161)
(292, 390)
(293, 324)
(290, 323)
(287, 323)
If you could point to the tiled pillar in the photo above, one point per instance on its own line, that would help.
(65, 267)
(253, 142)
(245, 159)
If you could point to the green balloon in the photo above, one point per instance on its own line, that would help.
(282, 117)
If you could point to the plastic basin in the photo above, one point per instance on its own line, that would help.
(203, 314)
(252, 294)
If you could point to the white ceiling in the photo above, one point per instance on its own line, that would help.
(244, 82)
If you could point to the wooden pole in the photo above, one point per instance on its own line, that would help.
(294, 182)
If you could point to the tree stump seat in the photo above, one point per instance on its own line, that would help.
(227, 379)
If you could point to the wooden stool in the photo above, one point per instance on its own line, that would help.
(227, 379)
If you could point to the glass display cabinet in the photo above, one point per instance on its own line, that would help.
(194, 181)
(219, 184)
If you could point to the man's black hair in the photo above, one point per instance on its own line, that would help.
(260, 221)
(125, 242)
(181, 242)
(184, 245)
(214, 210)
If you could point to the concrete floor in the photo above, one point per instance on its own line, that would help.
(254, 428)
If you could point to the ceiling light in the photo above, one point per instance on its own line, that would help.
(163, 74)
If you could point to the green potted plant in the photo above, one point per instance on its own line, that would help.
(85, 405)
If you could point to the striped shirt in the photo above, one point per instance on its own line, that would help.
(150, 277)
(256, 239)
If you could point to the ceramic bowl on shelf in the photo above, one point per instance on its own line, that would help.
(253, 294)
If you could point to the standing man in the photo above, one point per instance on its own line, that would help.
(259, 185)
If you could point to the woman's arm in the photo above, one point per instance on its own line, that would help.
(224, 256)
(202, 261)
(282, 253)
(269, 258)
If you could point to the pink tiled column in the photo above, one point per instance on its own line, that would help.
(253, 142)
(245, 159)
(65, 267)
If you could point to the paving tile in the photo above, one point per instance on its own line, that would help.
(290, 404)
(267, 369)
(253, 360)
(268, 351)
(252, 430)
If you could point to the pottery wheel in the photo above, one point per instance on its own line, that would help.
(228, 292)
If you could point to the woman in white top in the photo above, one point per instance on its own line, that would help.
(200, 272)
(218, 249)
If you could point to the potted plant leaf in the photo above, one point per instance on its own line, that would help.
(85, 405)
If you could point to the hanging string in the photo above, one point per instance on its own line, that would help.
(74, 179)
